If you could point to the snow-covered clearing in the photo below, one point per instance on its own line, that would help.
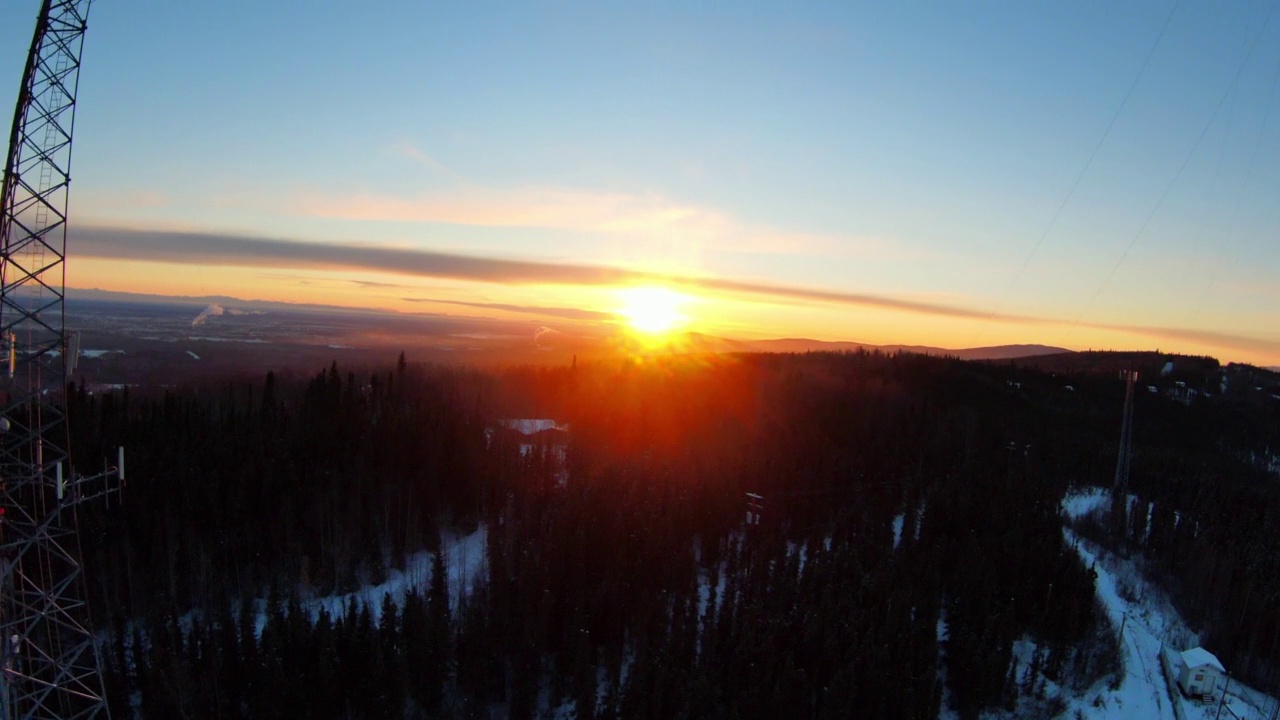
(1078, 503)
(1142, 692)
(464, 561)
(1149, 625)
(943, 633)
(704, 589)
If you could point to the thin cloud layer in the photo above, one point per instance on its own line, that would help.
(236, 250)
(560, 312)
(241, 251)
(642, 216)
(1202, 337)
(540, 208)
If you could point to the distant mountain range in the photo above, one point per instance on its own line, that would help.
(993, 352)
(699, 342)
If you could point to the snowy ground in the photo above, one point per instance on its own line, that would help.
(464, 561)
(1083, 501)
(1149, 625)
(1142, 691)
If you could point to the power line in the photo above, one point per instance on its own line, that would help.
(1181, 168)
(1053, 221)
(1248, 180)
(1222, 147)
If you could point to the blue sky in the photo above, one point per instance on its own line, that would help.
(908, 152)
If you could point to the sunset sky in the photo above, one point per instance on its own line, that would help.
(1090, 175)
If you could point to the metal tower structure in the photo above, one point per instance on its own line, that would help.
(1121, 484)
(1120, 487)
(49, 664)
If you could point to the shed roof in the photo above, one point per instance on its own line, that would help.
(1198, 656)
(529, 426)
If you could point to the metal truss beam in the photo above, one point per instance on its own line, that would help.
(49, 665)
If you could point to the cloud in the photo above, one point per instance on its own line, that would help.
(849, 298)
(556, 209)
(237, 250)
(418, 155)
(234, 250)
(1201, 337)
(561, 312)
(377, 284)
(333, 282)
(241, 251)
(648, 216)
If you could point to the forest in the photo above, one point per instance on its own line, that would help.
(908, 540)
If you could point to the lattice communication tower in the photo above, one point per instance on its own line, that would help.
(49, 665)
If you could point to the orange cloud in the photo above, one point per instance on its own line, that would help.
(231, 250)
(235, 250)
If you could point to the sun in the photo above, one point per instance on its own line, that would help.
(653, 311)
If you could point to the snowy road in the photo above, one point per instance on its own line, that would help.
(1150, 623)
(1142, 693)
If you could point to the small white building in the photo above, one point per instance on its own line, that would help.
(533, 430)
(1200, 673)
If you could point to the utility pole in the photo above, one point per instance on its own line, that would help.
(1223, 701)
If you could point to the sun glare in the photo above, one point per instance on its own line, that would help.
(653, 311)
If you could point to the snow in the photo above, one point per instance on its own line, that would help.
(529, 426)
(1198, 656)
(1151, 628)
(704, 590)
(1142, 691)
(197, 357)
(800, 551)
(464, 561)
(942, 633)
(1084, 501)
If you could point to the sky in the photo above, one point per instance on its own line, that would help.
(1089, 175)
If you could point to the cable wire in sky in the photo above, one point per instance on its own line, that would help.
(1083, 171)
(1222, 152)
(1248, 179)
(1181, 168)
